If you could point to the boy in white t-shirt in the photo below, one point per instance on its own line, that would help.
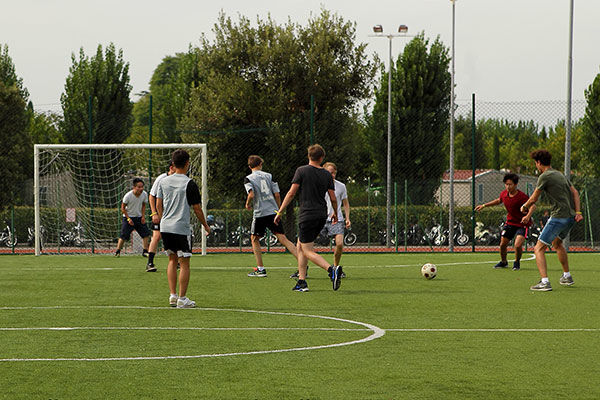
(133, 208)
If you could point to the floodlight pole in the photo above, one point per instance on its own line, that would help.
(388, 202)
(451, 194)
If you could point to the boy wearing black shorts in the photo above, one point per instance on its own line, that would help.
(175, 196)
(312, 182)
(264, 193)
(133, 208)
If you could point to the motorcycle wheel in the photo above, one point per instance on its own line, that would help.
(462, 240)
(439, 240)
(349, 239)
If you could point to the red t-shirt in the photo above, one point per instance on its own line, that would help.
(513, 206)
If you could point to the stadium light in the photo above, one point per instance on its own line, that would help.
(402, 30)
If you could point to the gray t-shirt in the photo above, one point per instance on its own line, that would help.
(178, 192)
(340, 194)
(261, 183)
(133, 203)
(154, 188)
(558, 192)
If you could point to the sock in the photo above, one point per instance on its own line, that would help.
(173, 294)
(545, 280)
(151, 257)
(260, 268)
(566, 274)
(330, 270)
(301, 281)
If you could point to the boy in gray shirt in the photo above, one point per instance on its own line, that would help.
(175, 196)
(133, 208)
(264, 193)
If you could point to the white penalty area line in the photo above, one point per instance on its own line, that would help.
(376, 333)
(170, 328)
(493, 330)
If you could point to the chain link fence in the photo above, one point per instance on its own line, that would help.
(497, 139)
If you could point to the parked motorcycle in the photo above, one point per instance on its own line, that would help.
(72, 237)
(7, 238)
(483, 236)
(533, 234)
(217, 230)
(324, 240)
(460, 237)
(240, 234)
(31, 236)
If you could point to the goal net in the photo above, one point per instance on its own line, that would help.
(78, 191)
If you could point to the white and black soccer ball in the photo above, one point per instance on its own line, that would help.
(429, 271)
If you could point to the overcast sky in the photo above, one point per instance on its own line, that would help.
(511, 50)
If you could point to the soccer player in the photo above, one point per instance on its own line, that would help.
(336, 230)
(264, 193)
(155, 220)
(133, 208)
(175, 195)
(312, 182)
(566, 210)
(516, 222)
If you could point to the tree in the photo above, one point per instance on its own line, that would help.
(253, 96)
(44, 128)
(420, 111)
(104, 77)
(591, 126)
(8, 73)
(16, 155)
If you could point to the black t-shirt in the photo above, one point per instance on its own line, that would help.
(314, 183)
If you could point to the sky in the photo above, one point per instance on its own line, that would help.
(511, 50)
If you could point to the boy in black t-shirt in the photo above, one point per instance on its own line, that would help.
(312, 182)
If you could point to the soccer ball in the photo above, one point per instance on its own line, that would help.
(429, 271)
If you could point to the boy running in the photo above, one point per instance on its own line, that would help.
(133, 208)
(155, 220)
(264, 193)
(566, 210)
(516, 222)
(176, 194)
(312, 182)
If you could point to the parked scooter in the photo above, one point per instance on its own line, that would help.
(7, 238)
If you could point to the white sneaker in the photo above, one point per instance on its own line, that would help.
(184, 302)
(173, 300)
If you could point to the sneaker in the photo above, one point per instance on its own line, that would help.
(294, 275)
(150, 267)
(336, 277)
(258, 272)
(566, 280)
(184, 302)
(501, 265)
(118, 253)
(516, 266)
(145, 253)
(173, 300)
(301, 286)
(542, 287)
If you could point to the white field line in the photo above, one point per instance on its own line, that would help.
(377, 333)
(493, 330)
(172, 328)
(527, 257)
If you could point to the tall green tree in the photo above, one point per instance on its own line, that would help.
(253, 96)
(8, 74)
(16, 152)
(420, 111)
(591, 126)
(105, 77)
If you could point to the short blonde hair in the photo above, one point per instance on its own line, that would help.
(330, 164)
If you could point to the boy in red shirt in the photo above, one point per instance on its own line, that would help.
(516, 222)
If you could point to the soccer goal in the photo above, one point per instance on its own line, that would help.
(78, 190)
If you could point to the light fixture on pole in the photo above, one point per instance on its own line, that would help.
(402, 30)
(451, 194)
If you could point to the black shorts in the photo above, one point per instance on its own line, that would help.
(177, 244)
(155, 227)
(126, 229)
(510, 231)
(309, 230)
(260, 224)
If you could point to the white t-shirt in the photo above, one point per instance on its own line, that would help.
(133, 203)
(154, 188)
(340, 194)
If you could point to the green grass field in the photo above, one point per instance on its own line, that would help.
(472, 332)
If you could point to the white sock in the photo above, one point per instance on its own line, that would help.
(566, 274)
(260, 268)
(545, 280)
(174, 294)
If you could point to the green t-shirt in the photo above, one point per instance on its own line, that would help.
(558, 192)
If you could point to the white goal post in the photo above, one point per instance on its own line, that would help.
(76, 178)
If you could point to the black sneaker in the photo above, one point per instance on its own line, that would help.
(294, 275)
(337, 277)
(145, 253)
(516, 266)
(150, 267)
(118, 253)
(301, 286)
(501, 265)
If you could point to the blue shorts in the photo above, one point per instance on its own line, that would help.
(556, 227)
